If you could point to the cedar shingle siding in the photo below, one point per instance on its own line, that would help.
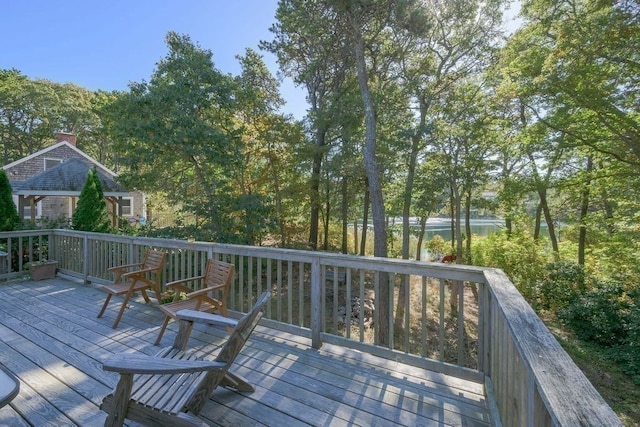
(69, 176)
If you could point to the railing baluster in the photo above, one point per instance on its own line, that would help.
(301, 292)
(289, 292)
(441, 327)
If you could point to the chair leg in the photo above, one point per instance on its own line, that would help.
(145, 296)
(122, 309)
(164, 326)
(235, 381)
(104, 306)
(120, 404)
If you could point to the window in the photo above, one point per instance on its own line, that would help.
(49, 163)
(127, 206)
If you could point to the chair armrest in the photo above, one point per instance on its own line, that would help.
(179, 288)
(179, 282)
(138, 272)
(208, 318)
(123, 267)
(126, 363)
(203, 292)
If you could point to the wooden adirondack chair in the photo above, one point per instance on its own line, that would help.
(171, 387)
(132, 278)
(216, 279)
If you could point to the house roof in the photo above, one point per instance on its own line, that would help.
(66, 179)
(55, 146)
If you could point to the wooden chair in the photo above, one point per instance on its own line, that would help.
(132, 278)
(171, 387)
(216, 280)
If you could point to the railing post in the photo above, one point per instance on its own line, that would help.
(52, 245)
(316, 303)
(87, 260)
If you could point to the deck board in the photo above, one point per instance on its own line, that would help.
(52, 341)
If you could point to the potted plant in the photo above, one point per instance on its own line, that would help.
(43, 269)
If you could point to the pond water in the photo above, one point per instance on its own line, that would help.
(442, 227)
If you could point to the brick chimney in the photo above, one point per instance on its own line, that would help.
(69, 137)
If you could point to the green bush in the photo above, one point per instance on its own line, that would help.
(520, 256)
(91, 212)
(9, 218)
(561, 284)
(602, 314)
(627, 355)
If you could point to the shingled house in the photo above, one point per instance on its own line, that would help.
(48, 183)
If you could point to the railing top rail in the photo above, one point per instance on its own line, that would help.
(558, 380)
(25, 233)
(421, 268)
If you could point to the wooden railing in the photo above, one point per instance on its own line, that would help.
(465, 321)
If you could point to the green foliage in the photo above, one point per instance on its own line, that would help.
(59, 222)
(608, 314)
(9, 218)
(437, 247)
(627, 355)
(603, 314)
(561, 284)
(520, 256)
(91, 213)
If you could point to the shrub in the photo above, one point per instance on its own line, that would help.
(627, 355)
(520, 256)
(91, 212)
(9, 218)
(561, 284)
(603, 314)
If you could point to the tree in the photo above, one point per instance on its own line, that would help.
(91, 212)
(28, 114)
(314, 58)
(9, 217)
(179, 133)
(442, 43)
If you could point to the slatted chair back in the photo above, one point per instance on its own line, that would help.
(211, 297)
(132, 278)
(153, 263)
(217, 278)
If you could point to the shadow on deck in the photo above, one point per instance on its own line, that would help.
(52, 341)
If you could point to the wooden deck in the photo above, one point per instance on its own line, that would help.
(52, 341)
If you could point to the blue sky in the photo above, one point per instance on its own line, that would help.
(107, 44)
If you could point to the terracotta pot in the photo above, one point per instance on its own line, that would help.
(43, 271)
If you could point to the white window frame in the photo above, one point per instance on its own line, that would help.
(130, 213)
(51, 159)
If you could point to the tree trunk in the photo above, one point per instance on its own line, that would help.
(325, 225)
(365, 221)
(375, 187)
(408, 189)
(423, 227)
(547, 217)
(452, 215)
(344, 211)
(458, 223)
(467, 227)
(584, 210)
(355, 236)
(538, 221)
(315, 188)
